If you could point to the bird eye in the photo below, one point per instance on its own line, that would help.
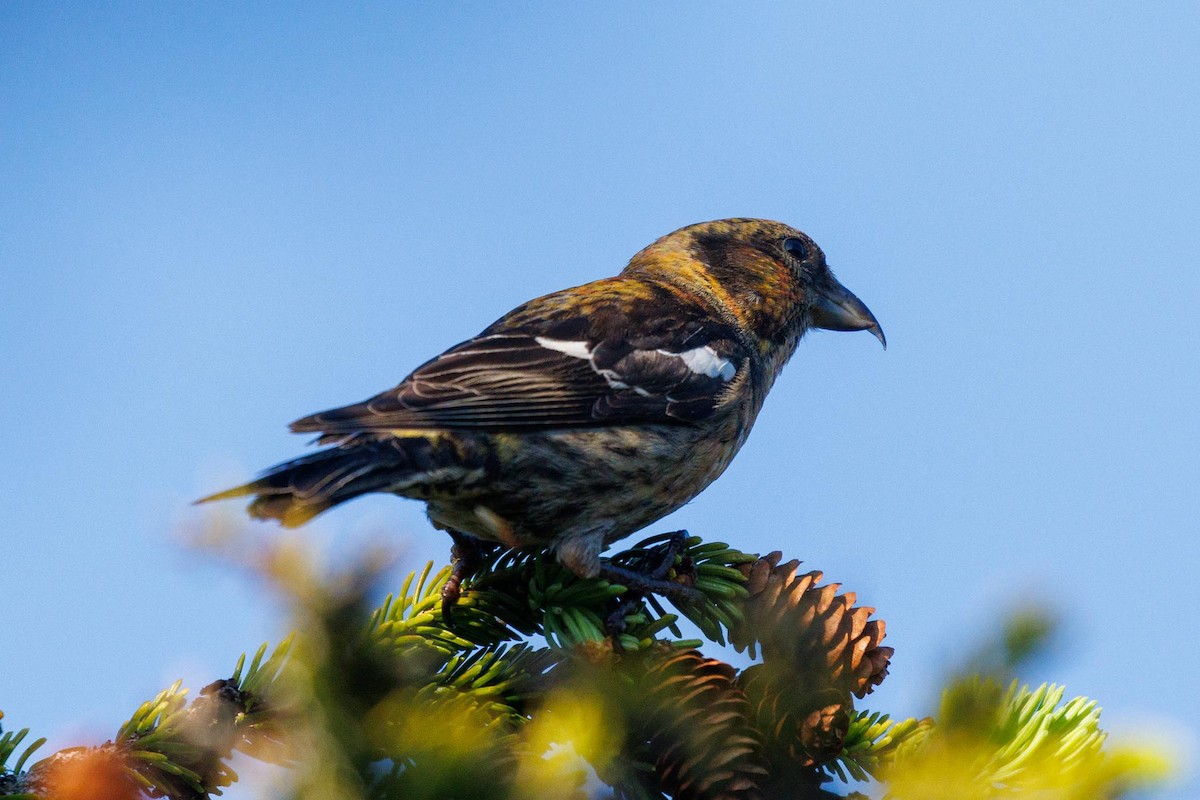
(795, 248)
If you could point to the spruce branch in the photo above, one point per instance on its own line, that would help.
(540, 677)
(710, 567)
(533, 594)
(508, 677)
(169, 747)
(10, 783)
(1015, 742)
(872, 741)
(412, 618)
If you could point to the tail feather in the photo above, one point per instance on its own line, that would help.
(296, 491)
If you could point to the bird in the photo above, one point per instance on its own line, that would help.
(584, 415)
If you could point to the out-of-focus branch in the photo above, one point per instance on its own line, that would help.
(547, 685)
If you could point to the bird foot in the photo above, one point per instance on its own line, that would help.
(654, 580)
(676, 544)
(643, 584)
(615, 623)
(466, 554)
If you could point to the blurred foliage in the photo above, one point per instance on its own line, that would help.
(542, 684)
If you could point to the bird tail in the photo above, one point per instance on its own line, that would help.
(296, 491)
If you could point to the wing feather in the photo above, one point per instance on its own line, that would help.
(527, 378)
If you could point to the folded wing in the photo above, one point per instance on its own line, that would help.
(539, 378)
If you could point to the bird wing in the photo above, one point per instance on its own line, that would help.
(606, 368)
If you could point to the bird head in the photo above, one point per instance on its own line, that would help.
(769, 276)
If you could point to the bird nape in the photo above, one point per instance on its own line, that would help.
(585, 415)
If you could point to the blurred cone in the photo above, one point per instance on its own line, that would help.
(97, 773)
(695, 723)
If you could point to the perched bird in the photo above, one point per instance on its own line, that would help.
(587, 414)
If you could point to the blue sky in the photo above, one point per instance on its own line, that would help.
(215, 219)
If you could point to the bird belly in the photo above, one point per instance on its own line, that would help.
(553, 485)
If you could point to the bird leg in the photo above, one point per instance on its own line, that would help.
(614, 623)
(466, 554)
(654, 580)
(675, 545)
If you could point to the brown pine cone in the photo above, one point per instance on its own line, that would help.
(818, 633)
(696, 728)
(799, 727)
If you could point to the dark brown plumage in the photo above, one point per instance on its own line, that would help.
(587, 414)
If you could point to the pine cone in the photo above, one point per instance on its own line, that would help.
(694, 720)
(799, 727)
(813, 629)
(823, 731)
(818, 650)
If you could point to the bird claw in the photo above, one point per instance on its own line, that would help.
(451, 591)
(615, 623)
(639, 582)
(466, 554)
(654, 580)
(675, 546)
